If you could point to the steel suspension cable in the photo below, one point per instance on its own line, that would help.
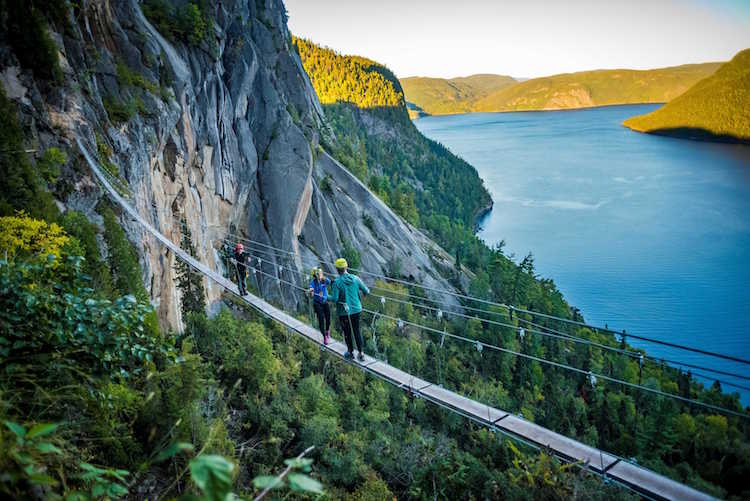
(541, 360)
(553, 334)
(530, 312)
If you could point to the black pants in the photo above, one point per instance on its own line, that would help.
(323, 311)
(350, 324)
(241, 280)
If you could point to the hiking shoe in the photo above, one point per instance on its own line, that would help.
(361, 357)
(348, 356)
(326, 339)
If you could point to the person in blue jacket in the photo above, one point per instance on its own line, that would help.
(345, 294)
(319, 291)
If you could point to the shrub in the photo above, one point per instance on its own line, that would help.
(369, 222)
(117, 110)
(77, 226)
(28, 237)
(240, 350)
(122, 258)
(128, 77)
(326, 185)
(190, 23)
(22, 187)
(351, 254)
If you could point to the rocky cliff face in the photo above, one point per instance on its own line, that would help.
(223, 134)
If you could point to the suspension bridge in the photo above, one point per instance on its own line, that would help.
(611, 467)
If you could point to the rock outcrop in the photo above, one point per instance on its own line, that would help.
(223, 134)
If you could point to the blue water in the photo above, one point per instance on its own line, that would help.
(644, 233)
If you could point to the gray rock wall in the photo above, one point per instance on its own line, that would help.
(229, 141)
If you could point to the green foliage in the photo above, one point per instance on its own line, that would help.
(23, 188)
(351, 79)
(127, 77)
(190, 22)
(63, 324)
(213, 476)
(78, 226)
(27, 454)
(438, 96)
(122, 258)
(241, 350)
(351, 254)
(107, 483)
(596, 88)
(119, 110)
(27, 237)
(50, 163)
(714, 108)
(189, 281)
(416, 177)
(326, 185)
(369, 222)
(28, 35)
(291, 478)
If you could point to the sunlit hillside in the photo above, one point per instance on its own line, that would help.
(350, 79)
(438, 96)
(597, 88)
(717, 107)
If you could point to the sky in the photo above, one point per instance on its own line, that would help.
(525, 38)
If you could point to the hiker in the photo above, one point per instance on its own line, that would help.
(345, 294)
(240, 260)
(319, 291)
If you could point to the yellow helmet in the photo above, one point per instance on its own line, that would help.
(341, 263)
(314, 272)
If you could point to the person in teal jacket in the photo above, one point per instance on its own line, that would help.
(345, 295)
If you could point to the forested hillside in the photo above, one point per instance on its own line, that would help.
(570, 90)
(418, 178)
(438, 96)
(659, 432)
(716, 108)
(597, 88)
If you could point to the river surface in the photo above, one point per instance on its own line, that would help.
(644, 233)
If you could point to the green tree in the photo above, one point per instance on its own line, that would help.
(189, 281)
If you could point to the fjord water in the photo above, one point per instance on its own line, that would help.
(644, 233)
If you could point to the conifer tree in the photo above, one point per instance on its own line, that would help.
(189, 281)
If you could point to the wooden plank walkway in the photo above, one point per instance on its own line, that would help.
(642, 480)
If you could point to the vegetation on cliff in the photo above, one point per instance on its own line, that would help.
(659, 432)
(565, 91)
(99, 402)
(348, 79)
(716, 108)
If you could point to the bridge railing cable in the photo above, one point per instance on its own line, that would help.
(593, 376)
(522, 310)
(543, 331)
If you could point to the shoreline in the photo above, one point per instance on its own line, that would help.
(690, 134)
(540, 109)
(482, 215)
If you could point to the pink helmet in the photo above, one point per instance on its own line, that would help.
(239, 247)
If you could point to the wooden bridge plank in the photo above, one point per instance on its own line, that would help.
(654, 484)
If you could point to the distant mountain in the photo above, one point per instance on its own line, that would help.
(439, 96)
(597, 88)
(565, 91)
(716, 108)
